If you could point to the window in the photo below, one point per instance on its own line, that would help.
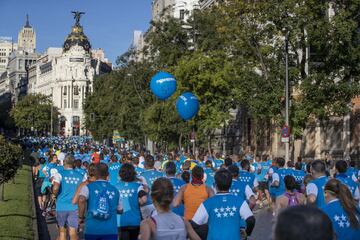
(64, 92)
(65, 103)
(182, 14)
(76, 90)
(76, 104)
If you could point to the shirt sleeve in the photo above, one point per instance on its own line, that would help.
(311, 189)
(275, 177)
(85, 177)
(256, 183)
(245, 211)
(84, 191)
(140, 188)
(142, 180)
(248, 192)
(354, 178)
(57, 177)
(201, 216)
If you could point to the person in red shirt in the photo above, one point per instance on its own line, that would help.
(95, 157)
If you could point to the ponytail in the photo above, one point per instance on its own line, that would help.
(349, 206)
(342, 192)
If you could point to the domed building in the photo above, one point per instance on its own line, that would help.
(67, 75)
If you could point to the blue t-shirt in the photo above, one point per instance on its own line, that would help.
(114, 168)
(299, 176)
(238, 189)
(340, 221)
(131, 215)
(41, 168)
(223, 213)
(95, 226)
(247, 177)
(139, 170)
(48, 167)
(177, 184)
(345, 179)
(320, 185)
(264, 170)
(281, 172)
(81, 171)
(351, 171)
(218, 163)
(69, 182)
(209, 177)
(150, 176)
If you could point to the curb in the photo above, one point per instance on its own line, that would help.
(34, 216)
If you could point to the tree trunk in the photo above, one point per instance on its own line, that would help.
(180, 140)
(2, 191)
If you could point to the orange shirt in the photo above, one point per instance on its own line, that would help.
(193, 197)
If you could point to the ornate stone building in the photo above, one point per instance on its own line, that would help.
(67, 74)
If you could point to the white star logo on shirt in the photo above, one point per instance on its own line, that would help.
(218, 215)
(107, 192)
(234, 208)
(216, 210)
(231, 214)
(347, 224)
(110, 197)
(96, 192)
(343, 217)
(336, 218)
(222, 209)
(227, 209)
(225, 214)
(341, 224)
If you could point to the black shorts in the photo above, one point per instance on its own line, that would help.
(38, 185)
(129, 233)
(263, 185)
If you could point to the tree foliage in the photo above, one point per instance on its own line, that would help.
(34, 111)
(234, 55)
(10, 155)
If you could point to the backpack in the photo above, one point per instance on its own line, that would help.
(102, 206)
(292, 199)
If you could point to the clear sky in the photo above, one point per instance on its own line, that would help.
(109, 24)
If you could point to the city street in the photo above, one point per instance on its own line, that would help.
(189, 106)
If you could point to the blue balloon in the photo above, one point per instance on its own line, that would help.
(163, 85)
(187, 105)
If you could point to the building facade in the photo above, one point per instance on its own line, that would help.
(66, 74)
(7, 46)
(27, 37)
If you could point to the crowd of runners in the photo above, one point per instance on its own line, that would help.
(101, 193)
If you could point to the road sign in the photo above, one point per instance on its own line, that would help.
(285, 132)
(285, 139)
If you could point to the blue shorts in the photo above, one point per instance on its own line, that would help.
(101, 237)
(68, 218)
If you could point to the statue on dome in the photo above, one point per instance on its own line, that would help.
(77, 16)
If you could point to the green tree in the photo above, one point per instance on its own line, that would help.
(9, 163)
(34, 111)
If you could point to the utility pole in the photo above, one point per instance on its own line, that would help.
(287, 143)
